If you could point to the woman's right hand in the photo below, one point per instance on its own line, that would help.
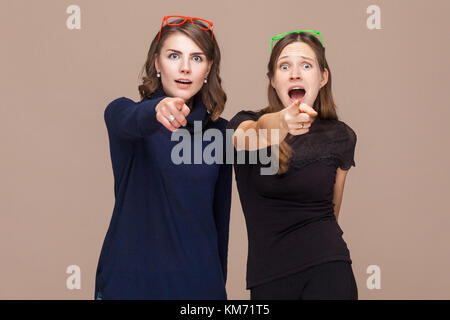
(175, 107)
(297, 118)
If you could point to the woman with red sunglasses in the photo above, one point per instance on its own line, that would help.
(168, 235)
(296, 249)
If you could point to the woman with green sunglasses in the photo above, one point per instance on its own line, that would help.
(296, 249)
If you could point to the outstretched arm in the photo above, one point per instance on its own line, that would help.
(130, 120)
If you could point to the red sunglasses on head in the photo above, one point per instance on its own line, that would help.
(170, 22)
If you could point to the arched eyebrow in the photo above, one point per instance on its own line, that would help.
(306, 58)
(192, 54)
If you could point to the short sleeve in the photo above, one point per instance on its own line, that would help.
(348, 149)
(241, 117)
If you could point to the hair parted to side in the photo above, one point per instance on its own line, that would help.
(324, 103)
(213, 95)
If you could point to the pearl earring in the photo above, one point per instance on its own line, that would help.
(158, 75)
(205, 81)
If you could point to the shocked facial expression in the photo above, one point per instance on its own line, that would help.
(183, 66)
(297, 75)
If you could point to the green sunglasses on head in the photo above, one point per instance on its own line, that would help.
(282, 35)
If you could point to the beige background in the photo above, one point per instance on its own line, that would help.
(56, 178)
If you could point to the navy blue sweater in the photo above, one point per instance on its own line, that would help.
(168, 235)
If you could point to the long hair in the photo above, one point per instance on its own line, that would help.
(324, 103)
(212, 93)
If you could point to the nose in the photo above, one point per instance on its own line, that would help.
(185, 66)
(295, 73)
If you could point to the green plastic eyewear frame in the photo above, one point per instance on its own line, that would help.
(282, 35)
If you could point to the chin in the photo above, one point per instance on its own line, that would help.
(178, 94)
(186, 95)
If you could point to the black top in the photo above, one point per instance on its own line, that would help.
(290, 217)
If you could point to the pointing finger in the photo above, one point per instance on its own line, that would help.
(179, 103)
(293, 108)
(185, 110)
(307, 109)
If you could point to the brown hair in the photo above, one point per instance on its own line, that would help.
(213, 95)
(324, 104)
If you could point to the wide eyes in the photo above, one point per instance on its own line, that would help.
(285, 66)
(175, 56)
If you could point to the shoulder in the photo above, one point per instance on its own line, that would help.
(220, 124)
(350, 132)
(342, 127)
(119, 101)
(115, 105)
(243, 115)
(337, 131)
(347, 132)
(345, 125)
(250, 114)
(126, 100)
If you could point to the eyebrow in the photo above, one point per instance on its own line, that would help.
(306, 58)
(192, 54)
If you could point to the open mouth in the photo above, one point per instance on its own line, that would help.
(296, 93)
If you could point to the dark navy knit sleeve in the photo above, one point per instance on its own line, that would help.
(132, 120)
(222, 206)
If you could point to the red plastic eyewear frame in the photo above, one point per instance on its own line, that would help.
(166, 18)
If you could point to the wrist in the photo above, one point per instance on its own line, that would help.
(282, 122)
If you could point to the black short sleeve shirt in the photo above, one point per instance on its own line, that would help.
(290, 217)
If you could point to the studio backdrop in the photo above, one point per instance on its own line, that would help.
(62, 62)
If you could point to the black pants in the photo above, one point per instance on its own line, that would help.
(328, 281)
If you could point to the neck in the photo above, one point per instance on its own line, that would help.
(190, 103)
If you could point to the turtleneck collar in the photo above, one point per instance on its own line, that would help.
(198, 111)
